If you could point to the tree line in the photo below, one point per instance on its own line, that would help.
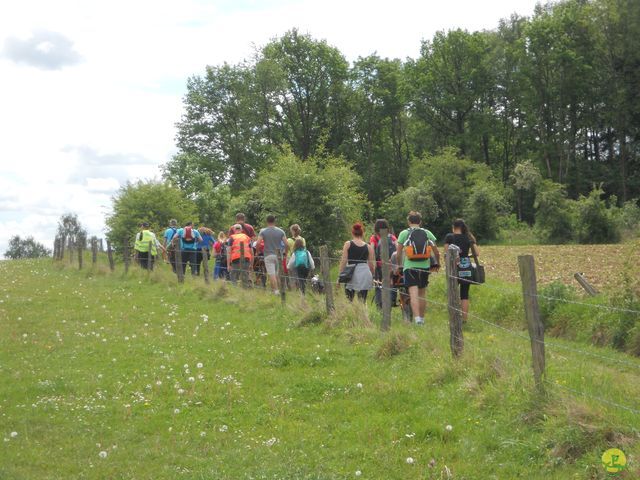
(558, 89)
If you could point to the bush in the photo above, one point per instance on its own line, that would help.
(322, 196)
(558, 294)
(484, 205)
(554, 218)
(629, 216)
(419, 198)
(596, 222)
(152, 202)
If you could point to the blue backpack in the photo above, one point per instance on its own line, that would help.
(302, 258)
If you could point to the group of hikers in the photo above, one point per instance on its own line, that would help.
(242, 255)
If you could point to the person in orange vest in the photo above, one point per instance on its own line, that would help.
(234, 254)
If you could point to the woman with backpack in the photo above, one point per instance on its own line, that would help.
(301, 263)
(359, 254)
(220, 253)
(462, 238)
(376, 243)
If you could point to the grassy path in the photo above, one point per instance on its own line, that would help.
(110, 377)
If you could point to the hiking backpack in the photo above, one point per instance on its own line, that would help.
(302, 258)
(188, 236)
(378, 248)
(417, 246)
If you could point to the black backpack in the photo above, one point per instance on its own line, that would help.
(378, 249)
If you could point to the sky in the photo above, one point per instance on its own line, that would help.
(90, 91)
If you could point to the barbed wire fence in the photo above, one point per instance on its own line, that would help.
(244, 271)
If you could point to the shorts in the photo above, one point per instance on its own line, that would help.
(416, 277)
(271, 263)
(464, 290)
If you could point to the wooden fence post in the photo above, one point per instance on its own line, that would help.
(282, 278)
(125, 252)
(63, 240)
(326, 279)
(243, 268)
(532, 313)
(386, 280)
(94, 251)
(55, 248)
(205, 265)
(456, 340)
(585, 284)
(149, 256)
(112, 264)
(101, 245)
(81, 244)
(180, 267)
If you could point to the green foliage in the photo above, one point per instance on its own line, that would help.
(25, 248)
(484, 205)
(629, 216)
(323, 196)
(70, 229)
(153, 202)
(419, 198)
(596, 222)
(554, 218)
(551, 296)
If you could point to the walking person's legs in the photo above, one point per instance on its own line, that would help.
(464, 299)
(270, 263)
(302, 273)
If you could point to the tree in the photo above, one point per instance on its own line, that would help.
(25, 248)
(153, 202)
(596, 221)
(308, 81)
(323, 197)
(525, 178)
(485, 203)
(70, 229)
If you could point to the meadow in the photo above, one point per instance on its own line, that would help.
(111, 376)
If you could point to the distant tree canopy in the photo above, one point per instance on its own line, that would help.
(539, 110)
(70, 229)
(153, 202)
(25, 248)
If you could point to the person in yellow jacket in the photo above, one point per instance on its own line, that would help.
(141, 247)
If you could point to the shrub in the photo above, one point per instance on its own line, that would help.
(25, 248)
(553, 213)
(557, 293)
(485, 204)
(596, 221)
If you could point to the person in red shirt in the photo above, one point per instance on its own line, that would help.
(375, 242)
(247, 229)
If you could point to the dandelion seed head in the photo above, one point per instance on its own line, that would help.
(410, 460)
(103, 454)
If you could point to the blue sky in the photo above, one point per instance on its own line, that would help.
(91, 90)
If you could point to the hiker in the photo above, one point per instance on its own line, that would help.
(358, 253)
(169, 233)
(462, 238)
(248, 230)
(189, 238)
(414, 254)
(145, 255)
(220, 253)
(301, 263)
(204, 245)
(235, 243)
(274, 240)
(374, 241)
(296, 232)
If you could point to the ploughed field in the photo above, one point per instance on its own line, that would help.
(602, 265)
(110, 376)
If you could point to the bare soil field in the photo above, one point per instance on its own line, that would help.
(603, 265)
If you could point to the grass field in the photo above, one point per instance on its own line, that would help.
(106, 376)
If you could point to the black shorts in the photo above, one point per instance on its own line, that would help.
(416, 277)
(464, 289)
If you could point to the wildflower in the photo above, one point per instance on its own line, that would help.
(159, 382)
(359, 385)
(223, 428)
(202, 434)
(358, 473)
(410, 460)
(180, 391)
(14, 434)
(448, 428)
(186, 365)
(191, 379)
(176, 411)
(271, 442)
(199, 365)
(103, 454)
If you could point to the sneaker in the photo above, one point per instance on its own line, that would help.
(419, 321)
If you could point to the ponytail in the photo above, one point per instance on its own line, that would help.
(460, 223)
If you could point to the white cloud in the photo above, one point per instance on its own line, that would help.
(70, 127)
